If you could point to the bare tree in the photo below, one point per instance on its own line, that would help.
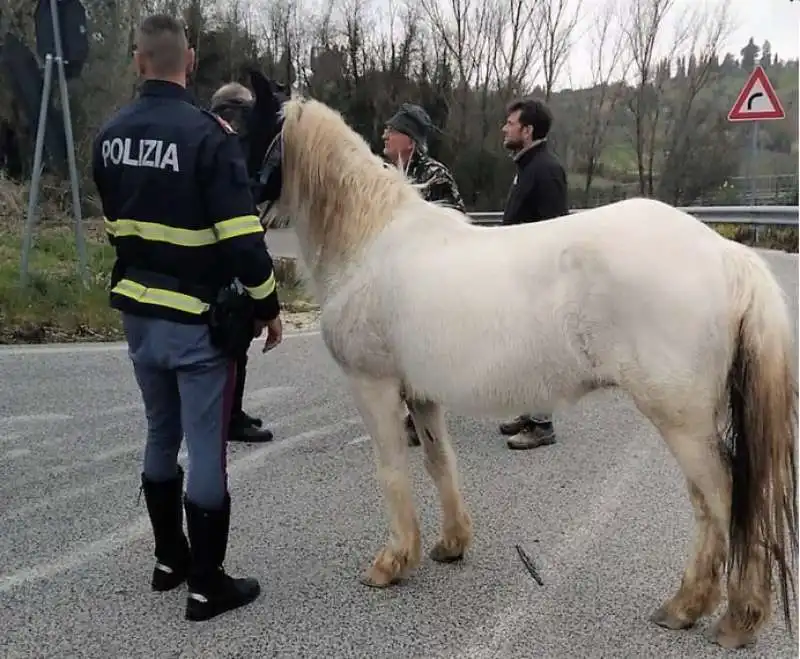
(690, 115)
(516, 37)
(651, 71)
(462, 28)
(609, 67)
(556, 35)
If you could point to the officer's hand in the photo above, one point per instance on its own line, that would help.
(274, 334)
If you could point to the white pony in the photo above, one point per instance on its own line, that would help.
(492, 321)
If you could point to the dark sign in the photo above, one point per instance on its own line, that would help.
(73, 26)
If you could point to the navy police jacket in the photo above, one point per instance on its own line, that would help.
(178, 209)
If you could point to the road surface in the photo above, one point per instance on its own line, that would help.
(604, 514)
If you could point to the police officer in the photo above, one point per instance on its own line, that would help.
(405, 145)
(233, 103)
(179, 212)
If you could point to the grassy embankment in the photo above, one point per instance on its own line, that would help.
(55, 306)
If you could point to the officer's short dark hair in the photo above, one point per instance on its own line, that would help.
(533, 113)
(163, 41)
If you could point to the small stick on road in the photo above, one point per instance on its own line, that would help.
(528, 563)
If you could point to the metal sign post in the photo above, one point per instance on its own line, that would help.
(33, 198)
(756, 102)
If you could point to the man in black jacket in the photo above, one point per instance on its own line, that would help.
(538, 192)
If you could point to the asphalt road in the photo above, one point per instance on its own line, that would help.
(604, 514)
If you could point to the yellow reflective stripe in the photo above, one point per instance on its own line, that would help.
(160, 297)
(262, 290)
(238, 226)
(161, 233)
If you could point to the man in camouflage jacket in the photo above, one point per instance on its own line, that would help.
(405, 145)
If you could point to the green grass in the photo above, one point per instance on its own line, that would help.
(55, 305)
(782, 239)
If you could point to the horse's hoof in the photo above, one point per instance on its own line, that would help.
(377, 579)
(730, 639)
(663, 617)
(441, 554)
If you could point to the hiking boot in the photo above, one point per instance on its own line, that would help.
(533, 436)
(411, 431)
(516, 426)
(211, 590)
(164, 506)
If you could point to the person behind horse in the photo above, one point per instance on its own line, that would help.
(405, 145)
(233, 102)
(179, 213)
(538, 192)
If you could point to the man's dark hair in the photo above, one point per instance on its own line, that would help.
(163, 40)
(533, 113)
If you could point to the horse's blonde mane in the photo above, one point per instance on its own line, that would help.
(333, 178)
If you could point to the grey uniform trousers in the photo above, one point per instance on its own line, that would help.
(187, 387)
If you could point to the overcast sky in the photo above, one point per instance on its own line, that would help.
(776, 21)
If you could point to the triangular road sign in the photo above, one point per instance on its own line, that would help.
(757, 100)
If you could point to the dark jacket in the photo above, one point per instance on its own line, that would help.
(539, 190)
(178, 209)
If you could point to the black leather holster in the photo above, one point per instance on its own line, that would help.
(230, 320)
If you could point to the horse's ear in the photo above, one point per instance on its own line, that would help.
(262, 86)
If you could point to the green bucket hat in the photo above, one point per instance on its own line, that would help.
(413, 121)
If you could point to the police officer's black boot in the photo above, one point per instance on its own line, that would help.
(164, 506)
(243, 427)
(211, 591)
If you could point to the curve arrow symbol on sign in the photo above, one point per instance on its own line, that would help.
(752, 98)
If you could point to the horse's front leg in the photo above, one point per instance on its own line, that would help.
(440, 463)
(381, 408)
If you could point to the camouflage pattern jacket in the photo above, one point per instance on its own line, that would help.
(438, 184)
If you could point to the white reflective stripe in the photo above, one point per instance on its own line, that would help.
(160, 233)
(238, 226)
(160, 297)
(262, 290)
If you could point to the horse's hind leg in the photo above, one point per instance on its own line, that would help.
(381, 409)
(695, 447)
(700, 591)
(440, 463)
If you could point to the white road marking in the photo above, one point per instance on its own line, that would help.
(67, 495)
(32, 418)
(15, 453)
(141, 526)
(496, 639)
(116, 346)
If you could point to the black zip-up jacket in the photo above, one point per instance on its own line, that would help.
(178, 209)
(539, 189)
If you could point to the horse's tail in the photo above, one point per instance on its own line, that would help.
(762, 392)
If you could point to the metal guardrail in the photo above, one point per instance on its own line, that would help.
(752, 215)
